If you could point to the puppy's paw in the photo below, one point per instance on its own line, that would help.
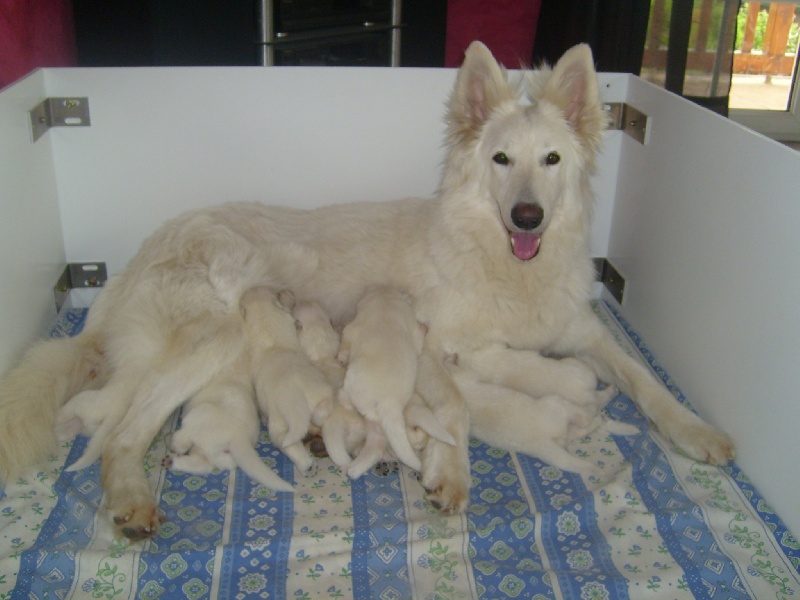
(385, 468)
(308, 471)
(167, 461)
(138, 523)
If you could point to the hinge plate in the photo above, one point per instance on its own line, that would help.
(611, 279)
(59, 112)
(79, 275)
(628, 119)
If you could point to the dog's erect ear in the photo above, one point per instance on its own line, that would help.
(481, 86)
(572, 86)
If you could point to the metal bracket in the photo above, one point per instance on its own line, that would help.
(611, 279)
(625, 117)
(79, 275)
(59, 112)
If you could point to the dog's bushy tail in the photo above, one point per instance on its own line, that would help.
(50, 373)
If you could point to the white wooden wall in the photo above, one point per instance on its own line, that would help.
(706, 231)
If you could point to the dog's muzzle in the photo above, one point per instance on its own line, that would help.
(527, 217)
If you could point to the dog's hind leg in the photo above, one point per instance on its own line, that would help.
(185, 367)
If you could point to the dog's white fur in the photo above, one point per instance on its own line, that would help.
(319, 340)
(381, 348)
(288, 387)
(219, 429)
(540, 427)
(344, 430)
(167, 323)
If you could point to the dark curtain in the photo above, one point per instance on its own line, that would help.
(615, 30)
(689, 49)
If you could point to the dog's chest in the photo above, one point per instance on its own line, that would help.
(523, 312)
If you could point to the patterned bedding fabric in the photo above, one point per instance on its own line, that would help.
(656, 524)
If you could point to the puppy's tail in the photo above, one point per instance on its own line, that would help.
(50, 373)
(419, 415)
(250, 462)
(395, 428)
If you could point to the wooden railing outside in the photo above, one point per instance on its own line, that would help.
(772, 59)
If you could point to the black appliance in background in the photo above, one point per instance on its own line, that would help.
(231, 32)
(329, 32)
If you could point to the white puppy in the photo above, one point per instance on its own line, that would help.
(540, 427)
(319, 340)
(381, 347)
(92, 413)
(345, 433)
(288, 387)
(345, 430)
(220, 428)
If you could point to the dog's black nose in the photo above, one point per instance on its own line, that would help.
(527, 216)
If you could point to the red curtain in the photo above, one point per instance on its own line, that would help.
(507, 27)
(35, 33)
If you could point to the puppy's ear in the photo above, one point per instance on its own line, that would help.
(572, 86)
(481, 86)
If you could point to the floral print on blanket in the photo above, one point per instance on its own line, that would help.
(652, 524)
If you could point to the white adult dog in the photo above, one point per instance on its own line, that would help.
(499, 259)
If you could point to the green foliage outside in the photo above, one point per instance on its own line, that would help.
(716, 23)
(761, 29)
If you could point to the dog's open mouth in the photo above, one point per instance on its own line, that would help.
(525, 245)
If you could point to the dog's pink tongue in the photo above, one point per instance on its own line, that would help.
(525, 245)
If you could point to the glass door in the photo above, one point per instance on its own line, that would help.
(764, 94)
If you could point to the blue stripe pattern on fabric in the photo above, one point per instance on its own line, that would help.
(380, 556)
(255, 563)
(574, 546)
(505, 558)
(49, 564)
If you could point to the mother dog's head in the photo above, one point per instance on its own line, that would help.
(527, 164)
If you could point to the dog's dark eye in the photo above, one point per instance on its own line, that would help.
(553, 158)
(501, 159)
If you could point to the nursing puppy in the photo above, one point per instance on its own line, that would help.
(345, 433)
(344, 430)
(381, 348)
(539, 427)
(93, 413)
(319, 340)
(288, 387)
(499, 258)
(219, 429)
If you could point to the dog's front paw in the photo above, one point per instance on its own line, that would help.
(446, 477)
(700, 440)
(448, 496)
(167, 461)
(138, 523)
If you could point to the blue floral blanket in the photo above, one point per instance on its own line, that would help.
(654, 524)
